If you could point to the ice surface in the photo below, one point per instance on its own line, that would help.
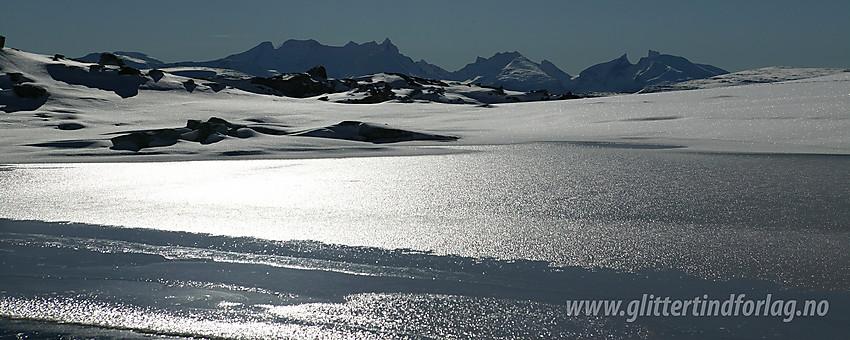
(84, 280)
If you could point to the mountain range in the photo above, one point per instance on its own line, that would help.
(510, 70)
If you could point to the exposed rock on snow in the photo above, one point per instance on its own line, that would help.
(212, 131)
(378, 88)
(367, 132)
(107, 78)
(298, 85)
(109, 59)
(70, 126)
(16, 94)
(29, 91)
(318, 71)
(510, 70)
(144, 139)
(132, 59)
(802, 116)
(216, 129)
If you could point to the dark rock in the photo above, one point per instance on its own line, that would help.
(543, 92)
(213, 130)
(136, 141)
(99, 77)
(570, 95)
(215, 86)
(110, 59)
(58, 57)
(15, 77)
(318, 72)
(374, 133)
(2, 41)
(29, 91)
(192, 124)
(299, 85)
(190, 85)
(156, 74)
(164, 137)
(378, 93)
(219, 121)
(70, 126)
(366, 132)
(129, 70)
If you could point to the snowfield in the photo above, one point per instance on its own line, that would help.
(88, 104)
(489, 236)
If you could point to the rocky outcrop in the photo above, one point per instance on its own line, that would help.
(373, 133)
(318, 72)
(124, 81)
(110, 59)
(138, 140)
(216, 129)
(29, 91)
(211, 131)
(298, 85)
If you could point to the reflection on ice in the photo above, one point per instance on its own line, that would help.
(777, 217)
(487, 243)
(119, 279)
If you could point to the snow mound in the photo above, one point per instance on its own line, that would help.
(368, 132)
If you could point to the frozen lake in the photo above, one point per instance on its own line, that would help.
(784, 219)
(716, 215)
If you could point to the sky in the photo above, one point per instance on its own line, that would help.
(734, 35)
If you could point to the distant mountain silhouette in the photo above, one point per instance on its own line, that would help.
(133, 59)
(347, 61)
(513, 71)
(620, 75)
(510, 70)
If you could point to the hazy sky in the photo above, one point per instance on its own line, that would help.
(734, 35)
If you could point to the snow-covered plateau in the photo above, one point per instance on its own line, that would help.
(85, 105)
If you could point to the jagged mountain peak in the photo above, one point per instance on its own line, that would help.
(264, 45)
(620, 75)
(514, 71)
(506, 68)
(346, 61)
(387, 45)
